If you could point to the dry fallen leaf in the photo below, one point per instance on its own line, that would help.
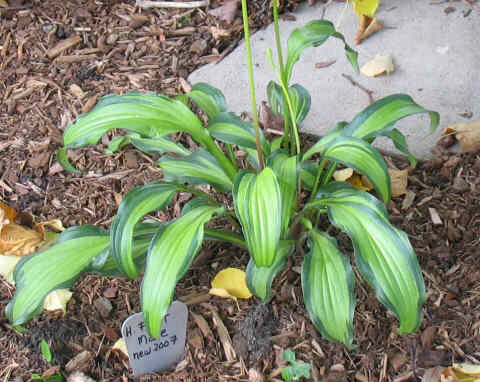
(7, 265)
(230, 283)
(352, 177)
(3, 3)
(226, 12)
(379, 65)
(57, 300)
(18, 240)
(459, 372)
(467, 372)
(366, 28)
(343, 175)
(467, 134)
(399, 180)
(120, 346)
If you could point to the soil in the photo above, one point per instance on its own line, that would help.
(123, 48)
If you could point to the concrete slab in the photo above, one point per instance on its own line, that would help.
(437, 58)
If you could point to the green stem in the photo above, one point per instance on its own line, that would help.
(225, 236)
(317, 178)
(286, 95)
(199, 193)
(246, 29)
(220, 156)
(231, 154)
(277, 39)
(331, 169)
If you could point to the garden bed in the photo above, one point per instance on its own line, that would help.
(38, 101)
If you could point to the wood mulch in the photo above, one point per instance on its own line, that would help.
(57, 58)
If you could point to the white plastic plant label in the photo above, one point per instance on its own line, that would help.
(148, 354)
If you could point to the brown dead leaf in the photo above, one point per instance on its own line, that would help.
(219, 34)
(467, 135)
(18, 240)
(7, 214)
(271, 122)
(24, 238)
(226, 12)
(367, 27)
(381, 64)
(399, 180)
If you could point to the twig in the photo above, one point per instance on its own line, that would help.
(361, 87)
(172, 4)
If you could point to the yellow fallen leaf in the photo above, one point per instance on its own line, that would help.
(365, 7)
(3, 3)
(121, 346)
(467, 372)
(379, 65)
(7, 265)
(220, 292)
(350, 176)
(467, 134)
(230, 283)
(57, 300)
(343, 174)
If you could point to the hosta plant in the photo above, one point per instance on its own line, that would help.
(277, 194)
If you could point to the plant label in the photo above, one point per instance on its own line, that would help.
(148, 354)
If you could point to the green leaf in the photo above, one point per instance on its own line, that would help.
(147, 145)
(300, 97)
(169, 257)
(228, 128)
(285, 169)
(116, 144)
(289, 356)
(143, 233)
(335, 132)
(383, 253)
(258, 206)
(379, 118)
(146, 114)
(328, 288)
(157, 145)
(199, 167)
(223, 235)
(260, 279)
(359, 155)
(301, 101)
(401, 144)
(308, 171)
(207, 98)
(45, 349)
(314, 33)
(57, 267)
(136, 204)
(275, 97)
(64, 162)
